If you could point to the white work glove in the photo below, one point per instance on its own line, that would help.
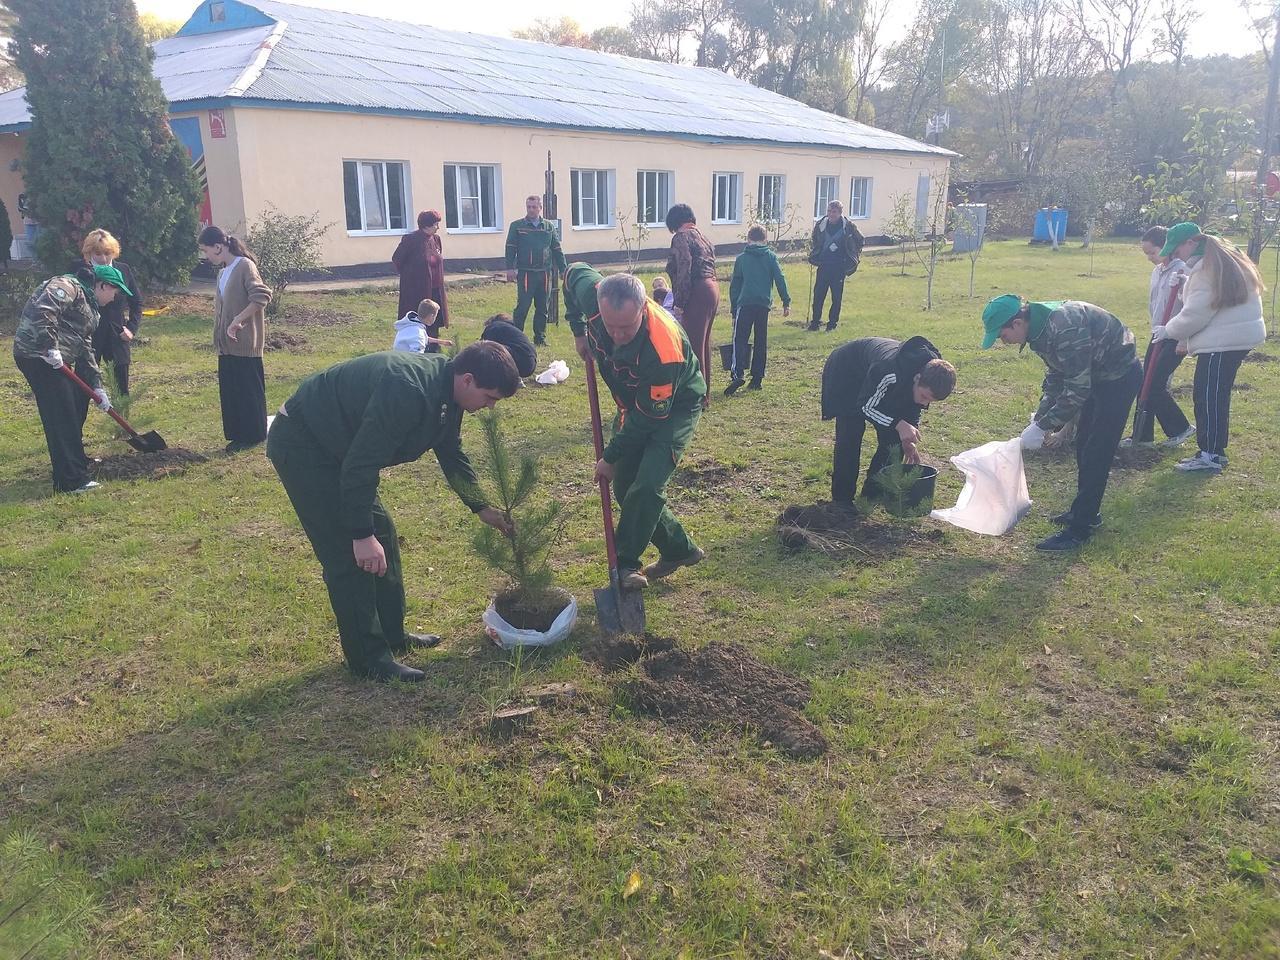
(1174, 280)
(1159, 333)
(101, 399)
(1033, 437)
(53, 358)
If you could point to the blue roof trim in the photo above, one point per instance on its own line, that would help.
(238, 16)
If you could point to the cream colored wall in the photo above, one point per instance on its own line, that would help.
(11, 149)
(293, 159)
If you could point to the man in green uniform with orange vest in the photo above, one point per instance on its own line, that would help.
(533, 252)
(646, 361)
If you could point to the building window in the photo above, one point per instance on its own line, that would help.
(470, 196)
(726, 198)
(860, 198)
(769, 199)
(828, 189)
(375, 194)
(592, 198)
(654, 196)
(218, 12)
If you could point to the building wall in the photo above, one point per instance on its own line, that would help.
(11, 149)
(293, 160)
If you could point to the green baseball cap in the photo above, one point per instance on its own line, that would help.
(998, 312)
(111, 275)
(1179, 234)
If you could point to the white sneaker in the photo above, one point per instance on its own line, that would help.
(1181, 438)
(91, 485)
(1202, 461)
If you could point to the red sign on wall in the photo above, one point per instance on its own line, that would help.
(217, 125)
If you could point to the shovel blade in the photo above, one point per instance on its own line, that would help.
(607, 610)
(149, 442)
(631, 611)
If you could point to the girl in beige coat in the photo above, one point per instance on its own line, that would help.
(239, 330)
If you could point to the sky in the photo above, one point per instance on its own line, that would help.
(1223, 27)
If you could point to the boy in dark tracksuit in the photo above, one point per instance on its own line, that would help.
(885, 382)
(755, 273)
(329, 443)
(533, 252)
(649, 366)
(1093, 371)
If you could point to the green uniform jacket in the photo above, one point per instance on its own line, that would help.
(1080, 343)
(654, 379)
(59, 316)
(755, 272)
(533, 247)
(580, 303)
(380, 410)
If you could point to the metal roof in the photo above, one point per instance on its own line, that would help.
(332, 60)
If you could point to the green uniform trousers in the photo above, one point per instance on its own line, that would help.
(532, 287)
(640, 483)
(369, 609)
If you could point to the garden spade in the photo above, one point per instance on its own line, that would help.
(618, 610)
(149, 442)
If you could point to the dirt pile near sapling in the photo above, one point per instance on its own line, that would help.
(283, 340)
(837, 528)
(537, 611)
(721, 686)
(147, 466)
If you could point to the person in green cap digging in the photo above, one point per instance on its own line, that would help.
(1093, 371)
(56, 329)
(649, 365)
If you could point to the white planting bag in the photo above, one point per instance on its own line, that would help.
(557, 372)
(995, 494)
(508, 637)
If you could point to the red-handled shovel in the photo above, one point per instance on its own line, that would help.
(618, 610)
(149, 442)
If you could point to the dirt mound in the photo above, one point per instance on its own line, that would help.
(1138, 458)
(531, 612)
(147, 466)
(283, 340)
(300, 315)
(837, 528)
(1256, 357)
(721, 686)
(703, 475)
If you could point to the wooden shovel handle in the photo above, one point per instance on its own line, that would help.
(89, 393)
(597, 436)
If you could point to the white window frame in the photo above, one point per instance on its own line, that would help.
(405, 183)
(735, 192)
(611, 191)
(866, 200)
(498, 225)
(778, 196)
(822, 200)
(661, 204)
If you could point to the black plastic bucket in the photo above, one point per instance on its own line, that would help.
(920, 497)
(726, 357)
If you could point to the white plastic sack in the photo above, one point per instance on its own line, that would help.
(508, 637)
(557, 372)
(995, 494)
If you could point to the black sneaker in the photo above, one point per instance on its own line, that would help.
(539, 341)
(1060, 542)
(1065, 519)
(814, 325)
(734, 386)
(830, 327)
(385, 669)
(755, 384)
(416, 641)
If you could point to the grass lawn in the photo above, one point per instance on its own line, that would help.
(1030, 756)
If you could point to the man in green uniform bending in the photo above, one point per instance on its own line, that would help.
(533, 252)
(328, 444)
(646, 361)
(1093, 371)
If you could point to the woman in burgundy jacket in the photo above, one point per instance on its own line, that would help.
(692, 268)
(420, 262)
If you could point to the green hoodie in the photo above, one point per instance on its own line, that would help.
(755, 272)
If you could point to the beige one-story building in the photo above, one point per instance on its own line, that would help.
(367, 121)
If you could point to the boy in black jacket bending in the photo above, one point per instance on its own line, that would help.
(887, 383)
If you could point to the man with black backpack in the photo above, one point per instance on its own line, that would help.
(835, 249)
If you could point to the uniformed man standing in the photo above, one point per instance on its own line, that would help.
(650, 368)
(56, 328)
(533, 252)
(328, 444)
(1093, 371)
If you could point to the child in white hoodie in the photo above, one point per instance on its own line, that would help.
(411, 329)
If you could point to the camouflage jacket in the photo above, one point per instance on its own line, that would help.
(1080, 343)
(60, 316)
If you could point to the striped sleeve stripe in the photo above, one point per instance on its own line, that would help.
(874, 414)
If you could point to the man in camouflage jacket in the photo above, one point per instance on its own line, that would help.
(647, 363)
(56, 329)
(1093, 372)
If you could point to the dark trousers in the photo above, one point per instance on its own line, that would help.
(1215, 376)
(848, 456)
(750, 318)
(532, 287)
(242, 387)
(1102, 423)
(63, 407)
(121, 372)
(1160, 402)
(830, 278)
(369, 609)
(699, 314)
